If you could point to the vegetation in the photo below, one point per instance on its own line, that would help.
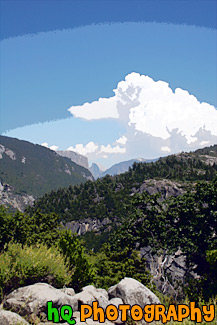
(107, 196)
(187, 222)
(113, 265)
(26, 265)
(23, 236)
(33, 162)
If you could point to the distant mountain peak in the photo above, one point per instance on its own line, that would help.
(116, 169)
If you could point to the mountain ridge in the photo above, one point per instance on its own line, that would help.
(118, 168)
(75, 157)
(105, 197)
(31, 169)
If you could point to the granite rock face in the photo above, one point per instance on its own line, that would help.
(133, 292)
(168, 270)
(81, 227)
(164, 187)
(75, 157)
(10, 198)
(10, 318)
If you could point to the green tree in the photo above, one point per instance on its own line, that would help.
(74, 253)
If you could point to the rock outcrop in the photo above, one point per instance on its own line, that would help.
(133, 292)
(74, 156)
(10, 318)
(81, 227)
(10, 198)
(168, 270)
(164, 187)
(30, 302)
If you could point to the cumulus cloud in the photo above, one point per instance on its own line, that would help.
(90, 147)
(110, 149)
(103, 108)
(156, 121)
(44, 144)
(165, 149)
(53, 147)
(204, 143)
(156, 118)
(122, 140)
(153, 108)
(93, 148)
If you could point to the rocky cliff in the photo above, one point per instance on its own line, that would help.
(74, 156)
(11, 199)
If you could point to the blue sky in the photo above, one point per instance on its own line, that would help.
(61, 54)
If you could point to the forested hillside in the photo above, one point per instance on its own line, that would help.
(106, 197)
(178, 230)
(186, 223)
(34, 170)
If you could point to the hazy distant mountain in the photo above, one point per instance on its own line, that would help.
(29, 169)
(116, 169)
(95, 171)
(75, 157)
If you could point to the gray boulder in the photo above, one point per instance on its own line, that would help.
(10, 318)
(82, 298)
(68, 291)
(99, 295)
(31, 301)
(133, 292)
(116, 302)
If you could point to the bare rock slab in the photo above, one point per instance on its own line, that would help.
(10, 318)
(133, 292)
(31, 300)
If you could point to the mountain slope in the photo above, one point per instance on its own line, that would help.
(34, 170)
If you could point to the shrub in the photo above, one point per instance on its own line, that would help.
(111, 266)
(74, 253)
(20, 266)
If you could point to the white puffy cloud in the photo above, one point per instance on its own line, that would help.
(151, 107)
(103, 108)
(110, 149)
(156, 120)
(204, 143)
(165, 149)
(44, 144)
(157, 110)
(90, 147)
(53, 147)
(122, 140)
